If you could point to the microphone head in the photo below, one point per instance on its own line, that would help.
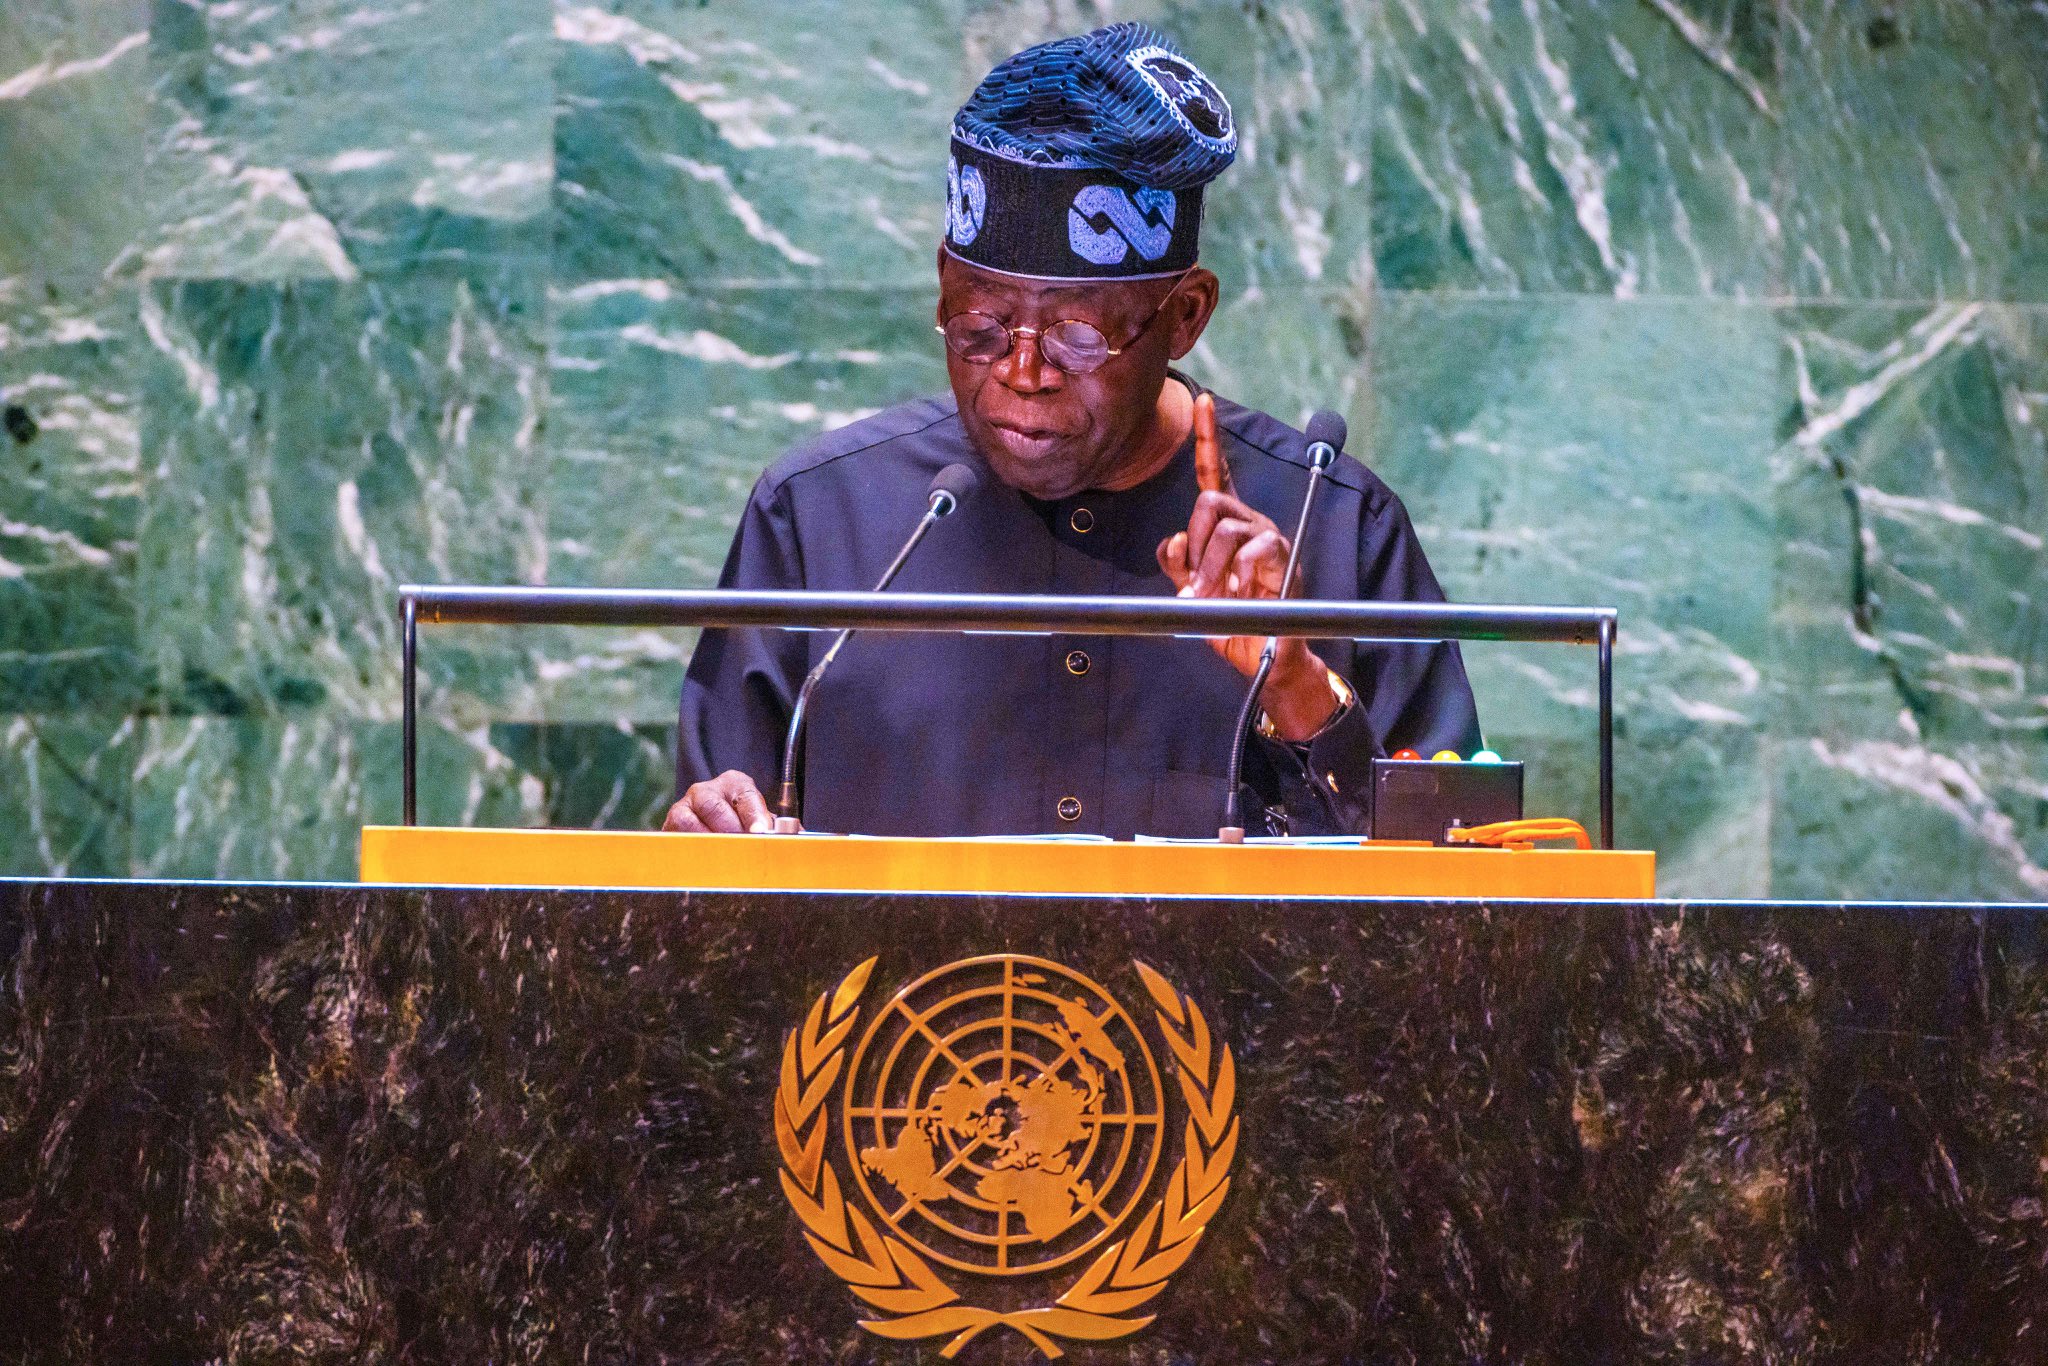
(1326, 432)
(952, 486)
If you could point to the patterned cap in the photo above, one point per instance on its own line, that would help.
(1085, 158)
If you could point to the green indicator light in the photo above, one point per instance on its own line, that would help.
(1486, 756)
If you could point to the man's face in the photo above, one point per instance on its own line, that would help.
(1046, 432)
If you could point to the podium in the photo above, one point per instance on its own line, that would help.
(594, 859)
(471, 1123)
(549, 1095)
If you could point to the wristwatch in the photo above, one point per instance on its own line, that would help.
(1346, 700)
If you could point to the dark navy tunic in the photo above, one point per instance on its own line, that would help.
(929, 734)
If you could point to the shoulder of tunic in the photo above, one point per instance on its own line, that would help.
(1271, 437)
(903, 421)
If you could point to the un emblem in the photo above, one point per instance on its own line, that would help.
(1003, 1120)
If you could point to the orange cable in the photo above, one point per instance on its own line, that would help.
(1521, 832)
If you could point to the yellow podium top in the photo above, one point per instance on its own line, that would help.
(621, 858)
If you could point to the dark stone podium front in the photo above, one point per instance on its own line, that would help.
(263, 1123)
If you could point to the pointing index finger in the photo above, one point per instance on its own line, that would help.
(1211, 472)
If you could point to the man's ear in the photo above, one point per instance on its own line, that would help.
(1194, 304)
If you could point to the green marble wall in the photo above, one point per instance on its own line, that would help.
(1732, 313)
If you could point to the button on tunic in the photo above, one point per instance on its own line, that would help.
(936, 734)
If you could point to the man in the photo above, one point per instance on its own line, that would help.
(1067, 287)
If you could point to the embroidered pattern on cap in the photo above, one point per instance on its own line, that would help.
(1192, 98)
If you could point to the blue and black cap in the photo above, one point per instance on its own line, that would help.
(1084, 159)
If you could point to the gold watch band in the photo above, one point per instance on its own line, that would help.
(1345, 697)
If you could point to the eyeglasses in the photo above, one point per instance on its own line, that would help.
(1069, 345)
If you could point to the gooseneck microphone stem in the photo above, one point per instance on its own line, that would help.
(1233, 816)
(789, 794)
(1325, 438)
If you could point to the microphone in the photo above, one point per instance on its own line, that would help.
(950, 487)
(1325, 433)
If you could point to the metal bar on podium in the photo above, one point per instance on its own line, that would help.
(409, 623)
(1011, 613)
(1607, 733)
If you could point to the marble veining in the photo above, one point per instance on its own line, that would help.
(1727, 312)
(1535, 145)
(1911, 596)
(344, 137)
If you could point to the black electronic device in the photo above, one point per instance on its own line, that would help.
(1419, 799)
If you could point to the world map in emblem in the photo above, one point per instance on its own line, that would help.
(1003, 1114)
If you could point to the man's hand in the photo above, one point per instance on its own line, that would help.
(1232, 550)
(729, 804)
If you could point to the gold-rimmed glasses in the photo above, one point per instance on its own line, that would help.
(1072, 345)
